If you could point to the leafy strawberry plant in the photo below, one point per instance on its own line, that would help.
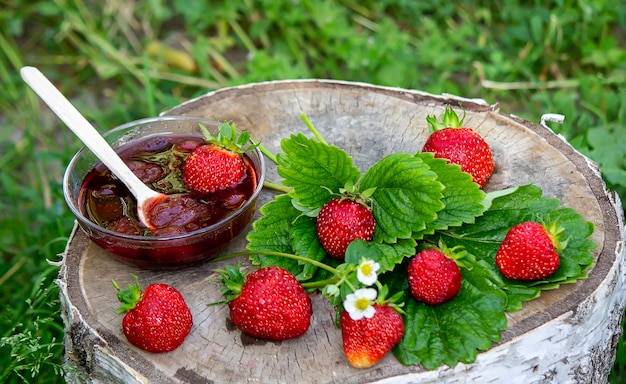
(409, 200)
(454, 331)
(417, 200)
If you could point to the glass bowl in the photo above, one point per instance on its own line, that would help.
(172, 251)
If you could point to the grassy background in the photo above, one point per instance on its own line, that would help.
(120, 60)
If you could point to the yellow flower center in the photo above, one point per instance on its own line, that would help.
(366, 269)
(362, 303)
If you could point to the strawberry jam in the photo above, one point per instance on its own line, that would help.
(159, 161)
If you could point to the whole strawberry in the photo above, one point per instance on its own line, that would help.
(434, 278)
(367, 340)
(342, 220)
(268, 303)
(460, 145)
(157, 320)
(529, 251)
(219, 164)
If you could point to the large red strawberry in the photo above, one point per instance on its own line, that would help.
(268, 303)
(434, 277)
(460, 145)
(157, 319)
(342, 220)
(529, 251)
(219, 164)
(367, 340)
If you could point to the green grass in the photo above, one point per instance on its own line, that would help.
(120, 60)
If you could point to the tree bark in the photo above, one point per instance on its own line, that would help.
(566, 335)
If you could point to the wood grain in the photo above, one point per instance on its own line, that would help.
(566, 335)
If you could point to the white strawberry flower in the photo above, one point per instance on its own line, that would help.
(359, 303)
(366, 272)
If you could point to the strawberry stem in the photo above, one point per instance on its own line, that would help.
(315, 132)
(265, 151)
(281, 254)
(320, 283)
(276, 187)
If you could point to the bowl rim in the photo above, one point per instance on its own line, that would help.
(84, 220)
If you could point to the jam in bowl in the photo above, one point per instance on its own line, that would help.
(191, 227)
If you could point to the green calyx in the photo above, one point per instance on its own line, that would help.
(449, 119)
(555, 231)
(128, 297)
(228, 138)
(232, 282)
(350, 191)
(457, 253)
(393, 301)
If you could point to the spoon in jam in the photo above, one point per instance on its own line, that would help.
(146, 197)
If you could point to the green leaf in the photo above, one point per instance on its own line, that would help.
(505, 211)
(576, 258)
(456, 330)
(407, 196)
(272, 232)
(305, 243)
(463, 199)
(525, 204)
(314, 170)
(387, 255)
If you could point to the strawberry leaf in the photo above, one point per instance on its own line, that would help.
(315, 170)
(456, 330)
(386, 255)
(305, 243)
(407, 196)
(463, 199)
(272, 233)
(526, 203)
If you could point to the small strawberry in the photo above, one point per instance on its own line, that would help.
(367, 340)
(434, 277)
(460, 145)
(340, 221)
(157, 320)
(268, 303)
(529, 251)
(219, 164)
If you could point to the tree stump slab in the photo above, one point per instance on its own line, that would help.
(566, 335)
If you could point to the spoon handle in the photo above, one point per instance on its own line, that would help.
(90, 137)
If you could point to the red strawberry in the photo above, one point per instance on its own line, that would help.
(157, 320)
(340, 221)
(218, 164)
(460, 145)
(268, 303)
(366, 341)
(434, 278)
(528, 251)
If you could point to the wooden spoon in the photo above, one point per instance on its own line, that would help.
(146, 197)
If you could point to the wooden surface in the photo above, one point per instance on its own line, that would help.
(566, 335)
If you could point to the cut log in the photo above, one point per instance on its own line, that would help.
(566, 335)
